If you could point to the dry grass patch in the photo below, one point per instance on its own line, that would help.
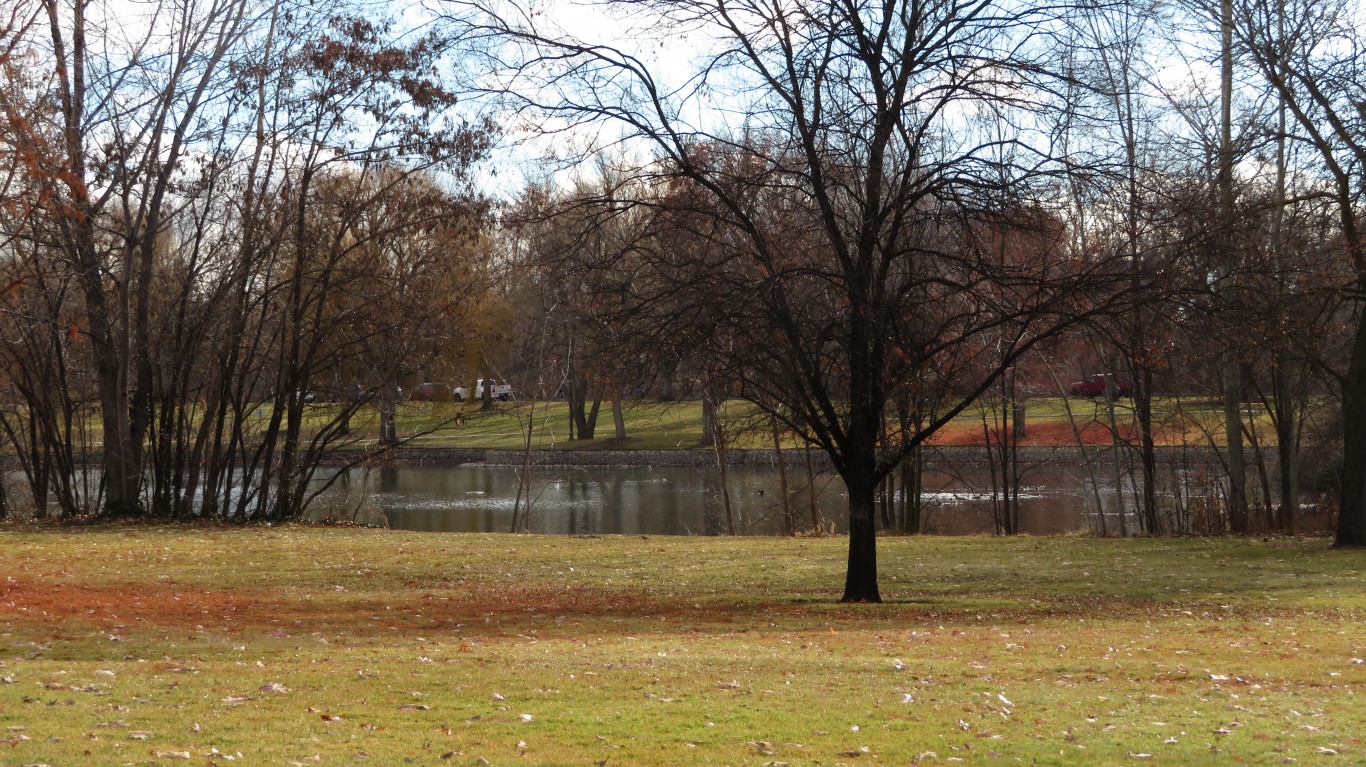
(133, 645)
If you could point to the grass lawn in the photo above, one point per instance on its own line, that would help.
(652, 425)
(304, 646)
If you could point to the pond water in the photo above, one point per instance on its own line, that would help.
(669, 500)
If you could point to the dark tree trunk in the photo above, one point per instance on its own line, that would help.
(388, 429)
(1233, 435)
(588, 428)
(911, 484)
(859, 469)
(618, 417)
(789, 518)
(1351, 532)
(708, 422)
(860, 581)
(1143, 404)
(1287, 445)
(816, 526)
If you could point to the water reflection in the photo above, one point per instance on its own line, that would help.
(668, 500)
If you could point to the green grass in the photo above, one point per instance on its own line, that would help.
(653, 425)
(135, 645)
(650, 426)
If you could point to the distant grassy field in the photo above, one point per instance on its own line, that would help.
(652, 425)
(299, 646)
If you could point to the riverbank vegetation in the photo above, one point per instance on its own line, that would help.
(285, 645)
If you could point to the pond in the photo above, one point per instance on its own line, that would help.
(672, 500)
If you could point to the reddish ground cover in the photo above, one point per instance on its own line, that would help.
(1040, 434)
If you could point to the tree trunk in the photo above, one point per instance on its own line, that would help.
(618, 417)
(860, 581)
(719, 450)
(789, 519)
(816, 525)
(1232, 373)
(708, 422)
(860, 472)
(1233, 436)
(1287, 447)
(1143, 405)
(388, 429)
(1117, 470)
(588, 428)
(1351, 532)
(911, 484)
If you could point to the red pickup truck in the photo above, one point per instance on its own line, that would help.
(1094, 386)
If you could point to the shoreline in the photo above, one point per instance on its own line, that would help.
(934, 455)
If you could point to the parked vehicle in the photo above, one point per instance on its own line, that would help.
(1094, 386)
(431, 392)
(498, 391)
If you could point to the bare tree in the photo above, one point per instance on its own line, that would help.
(179, 177)
(131, 102)
(1310, 52)
(892, 138)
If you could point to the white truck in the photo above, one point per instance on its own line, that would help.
(498, 391)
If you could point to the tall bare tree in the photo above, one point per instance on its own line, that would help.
(896, 137)
(1310, 53)
(133, 98)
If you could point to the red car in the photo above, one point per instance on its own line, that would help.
(431, 392)
(1094, 386)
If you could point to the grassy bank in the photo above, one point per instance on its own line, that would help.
(312, 646)
(652, 425)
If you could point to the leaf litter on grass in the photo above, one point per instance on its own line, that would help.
(759, 656)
